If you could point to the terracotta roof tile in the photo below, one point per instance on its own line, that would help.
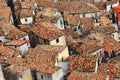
(26, 13)
(16, 42)
(82, 63)
(104, 21)
(5, 12)
(111, 2)
(25, 28)
(45, 56)
(114, 45)
(84, 47)
(100, 5)
(28, 4)
(44, 3)
(14, 69)
(86, 25)
(15, 34)
(76, 7)
(5, 51)
(85, 76)
(73, 20)
(47, 31)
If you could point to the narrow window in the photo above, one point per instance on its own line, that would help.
(41, 76)
(57, 40)
(0, 40)
(25, 20)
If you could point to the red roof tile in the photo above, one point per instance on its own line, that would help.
(16, 42)
(5, 51)
(47, 31)
(82, 63)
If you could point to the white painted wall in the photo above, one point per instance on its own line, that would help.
(26, 75)
(11, 20)
(64, 66)
(58, 75)
(89, 15)
(81, 15)
(116, 37)
(3, 39)
(1, 73)
(114, 5)
(65, 53)
(29, 20)
(27, 38)
(98, 52)
(61, 41)
(24, 48)
(58, 23)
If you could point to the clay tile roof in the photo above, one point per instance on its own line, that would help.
(111, 2)
(44, 3)
(70, 32)
(25, 28)
(61, 6)
(28, 4)
(114, 45)
(15, 34)
(102, 73)
(104, 21)
(86, 24)
(98, 36)
(82, 63)
(5, 12)
(103, 70)
(47, 31)
(114, 60)
(15, 69)
(73, 20)
(85, 76)
(12, 31)
(26, 13)
(16, 42)
(5, 51)
(75, 7)
(106, 30)
(86, 20)
(44, 55)
(100, 5)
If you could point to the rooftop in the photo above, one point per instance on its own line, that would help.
(76, 7)
(16, 42)
(47, 31)
(5, 51)
(82, 63)
(26, 13)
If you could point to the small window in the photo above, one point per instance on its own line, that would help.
(75, 29)
(57, 40)
(0, 40)
(24, 38)
(25, 20)
(41, 76)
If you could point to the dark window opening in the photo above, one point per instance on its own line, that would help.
(57, 40)
(0, 40)
(25, 20)
(75, 29)
(41, 76)
(24, 38)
